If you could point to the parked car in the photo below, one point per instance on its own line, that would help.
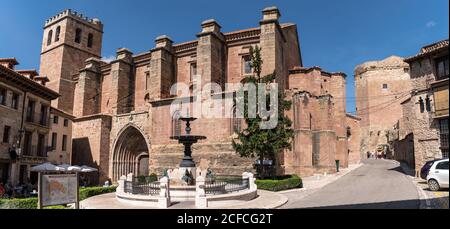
(438, 175)
(426, 169)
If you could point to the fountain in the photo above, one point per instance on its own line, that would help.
(187, 140)
(183, 178)
(187, 183)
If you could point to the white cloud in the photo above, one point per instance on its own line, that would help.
(109, 58)
(431, 24)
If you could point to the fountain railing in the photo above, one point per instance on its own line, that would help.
(207, 190)
(226, 184)
(142, 187)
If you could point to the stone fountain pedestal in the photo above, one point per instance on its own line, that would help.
(183, 178)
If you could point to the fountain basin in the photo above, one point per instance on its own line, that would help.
(182, 192)
(188, 138)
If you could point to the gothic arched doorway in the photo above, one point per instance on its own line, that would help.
(130, 154)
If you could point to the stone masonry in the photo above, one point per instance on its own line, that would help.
(380, 88)
(422, 134)
(122, 108)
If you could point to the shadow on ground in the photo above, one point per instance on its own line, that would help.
(400, 170)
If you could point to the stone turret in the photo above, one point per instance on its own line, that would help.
(271, 42)
(87, 92)
(211, 53)
(162, 72)
(122, 82)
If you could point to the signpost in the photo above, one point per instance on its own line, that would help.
(58, 189)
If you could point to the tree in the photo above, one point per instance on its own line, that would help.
(263, 144)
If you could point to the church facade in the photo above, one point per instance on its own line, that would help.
(123, 120)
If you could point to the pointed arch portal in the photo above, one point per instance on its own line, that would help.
(131, 154)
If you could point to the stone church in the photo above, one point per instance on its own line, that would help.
(123, 121)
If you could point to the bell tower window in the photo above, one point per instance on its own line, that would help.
(58, 32)
(90, 40)
(49, 37)
(78, 34)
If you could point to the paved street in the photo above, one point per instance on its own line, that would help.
(376, 184)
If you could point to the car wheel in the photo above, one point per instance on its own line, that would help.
(433, 185)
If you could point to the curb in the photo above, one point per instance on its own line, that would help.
(253, 204)
(279, 203)
(292, 190)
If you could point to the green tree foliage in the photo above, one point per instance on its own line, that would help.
(254, 141)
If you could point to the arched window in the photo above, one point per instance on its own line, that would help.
(49, 37)
(176, 124)
(90, 40)
(428, 104)
(236, 122)
(58, 32)
(421, 105)
(78, 34)
(349, 132)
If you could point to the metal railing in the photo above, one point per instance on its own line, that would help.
(226, 184)
(142, 187)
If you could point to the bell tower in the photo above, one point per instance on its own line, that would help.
(69, 39)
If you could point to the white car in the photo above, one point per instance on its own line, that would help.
(438, 175)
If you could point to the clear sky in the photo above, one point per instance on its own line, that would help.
(336, 35)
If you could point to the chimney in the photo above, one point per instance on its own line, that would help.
(30, 74)
(9, 62)
(41, 79)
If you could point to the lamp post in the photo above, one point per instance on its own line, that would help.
(19, 143)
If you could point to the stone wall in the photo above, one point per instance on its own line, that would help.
(419, 134)
(380, 88)
(354, 140)
(91, 144)
(133, 91)
(418, 139)
(315, 143)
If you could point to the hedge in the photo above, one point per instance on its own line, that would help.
(31, 203)
(94, 191)
(26, 203)
(280, 183)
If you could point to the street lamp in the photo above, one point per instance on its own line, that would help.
(19, 141)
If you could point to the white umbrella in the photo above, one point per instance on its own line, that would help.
(65, 166)
(47, 167)
(74, 168)
(87, 169)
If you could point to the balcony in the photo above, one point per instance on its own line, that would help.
(40, 122)
(33, 152)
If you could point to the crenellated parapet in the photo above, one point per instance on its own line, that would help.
(94, 22)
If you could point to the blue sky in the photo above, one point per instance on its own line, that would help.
(336, 35)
